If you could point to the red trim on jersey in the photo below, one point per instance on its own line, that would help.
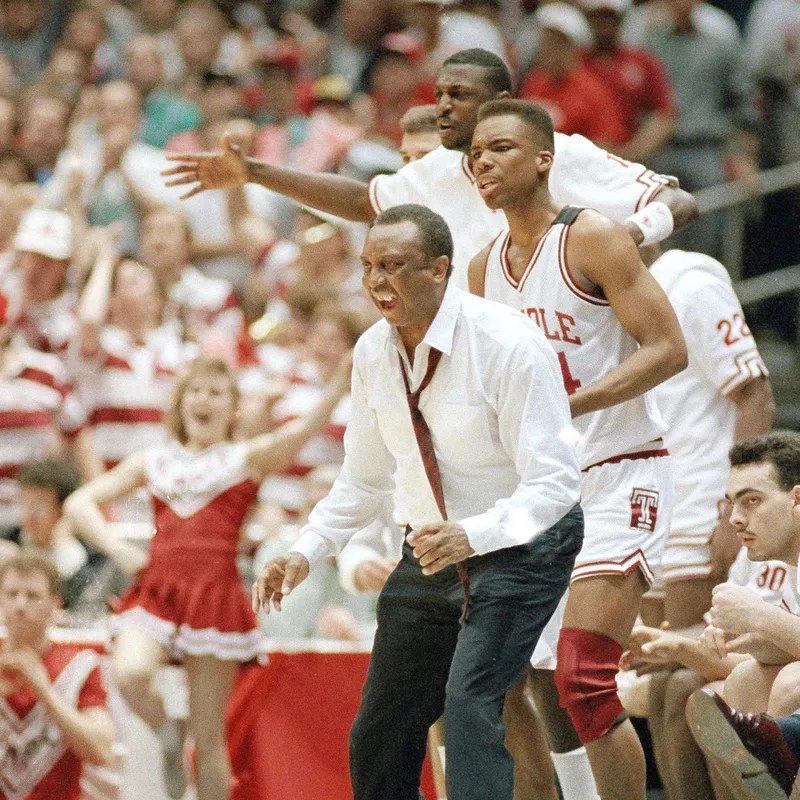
(506, 264)
(486, 262)
(115, 414)
(9, 471)
(623, 567)
(563, 266)
(652, 183)
(24, 419)
(629, 457)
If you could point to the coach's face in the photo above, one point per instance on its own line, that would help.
(766, 516)
(460, 90)
(404, 282)
(509, 160)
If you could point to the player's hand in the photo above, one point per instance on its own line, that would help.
(277, 580)
(715, 641)
(735, 609)
(647, 645)
(371, 575)
(439, 545)
(24, 668)
(225, 169)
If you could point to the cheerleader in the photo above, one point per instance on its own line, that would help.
(187, 602)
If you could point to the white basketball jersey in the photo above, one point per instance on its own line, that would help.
(584, 331)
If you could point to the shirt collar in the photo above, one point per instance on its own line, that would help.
(441, 332)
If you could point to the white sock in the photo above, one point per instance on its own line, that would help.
(575, 775)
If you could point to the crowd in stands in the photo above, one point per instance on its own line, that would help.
(110, 284)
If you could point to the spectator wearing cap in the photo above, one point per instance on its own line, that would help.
(394, 82)
(636, 79)
(714, 136)
(41, 305)
(576, 99)
(164, 112)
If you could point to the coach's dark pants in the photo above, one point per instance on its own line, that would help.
(425, 662)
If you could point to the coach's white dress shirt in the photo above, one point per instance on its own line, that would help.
(500, 422)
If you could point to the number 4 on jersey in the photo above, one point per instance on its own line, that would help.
(570, 383)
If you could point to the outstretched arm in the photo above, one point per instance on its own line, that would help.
(228, 168)
(274, 451)
(603, 255)
(83, 508)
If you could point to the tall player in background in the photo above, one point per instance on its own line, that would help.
(579, 276)
(443, 180)
(723, 396)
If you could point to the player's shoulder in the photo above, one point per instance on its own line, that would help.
(591, 225)
(681, 271)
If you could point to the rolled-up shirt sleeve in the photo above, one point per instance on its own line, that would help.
(363, 488)
(536, 431)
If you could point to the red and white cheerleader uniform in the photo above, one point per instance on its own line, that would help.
(35, 763)
(190, 597)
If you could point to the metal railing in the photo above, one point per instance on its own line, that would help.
(734, 196)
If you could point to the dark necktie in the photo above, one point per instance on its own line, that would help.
(425, 443)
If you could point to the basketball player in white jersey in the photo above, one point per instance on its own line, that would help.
(582, 173)
(723, 396)
(579, 276)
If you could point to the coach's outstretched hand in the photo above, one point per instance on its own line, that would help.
(277, 580)
(225, 169)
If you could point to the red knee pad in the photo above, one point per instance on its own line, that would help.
(586, 678)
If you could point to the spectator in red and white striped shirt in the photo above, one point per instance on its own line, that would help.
(40, 416)
(41, 306)
(198, 307)
(123, 360)
(334, 331)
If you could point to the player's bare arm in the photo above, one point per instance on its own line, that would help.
(755, 408)
(476, 274)
(602, 255)
(228, 168)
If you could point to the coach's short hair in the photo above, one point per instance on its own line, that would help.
(779, 448)
(436, 238)
(531, 114)
(419, 119)
(499, 78)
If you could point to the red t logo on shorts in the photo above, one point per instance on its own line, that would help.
(644, 509)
